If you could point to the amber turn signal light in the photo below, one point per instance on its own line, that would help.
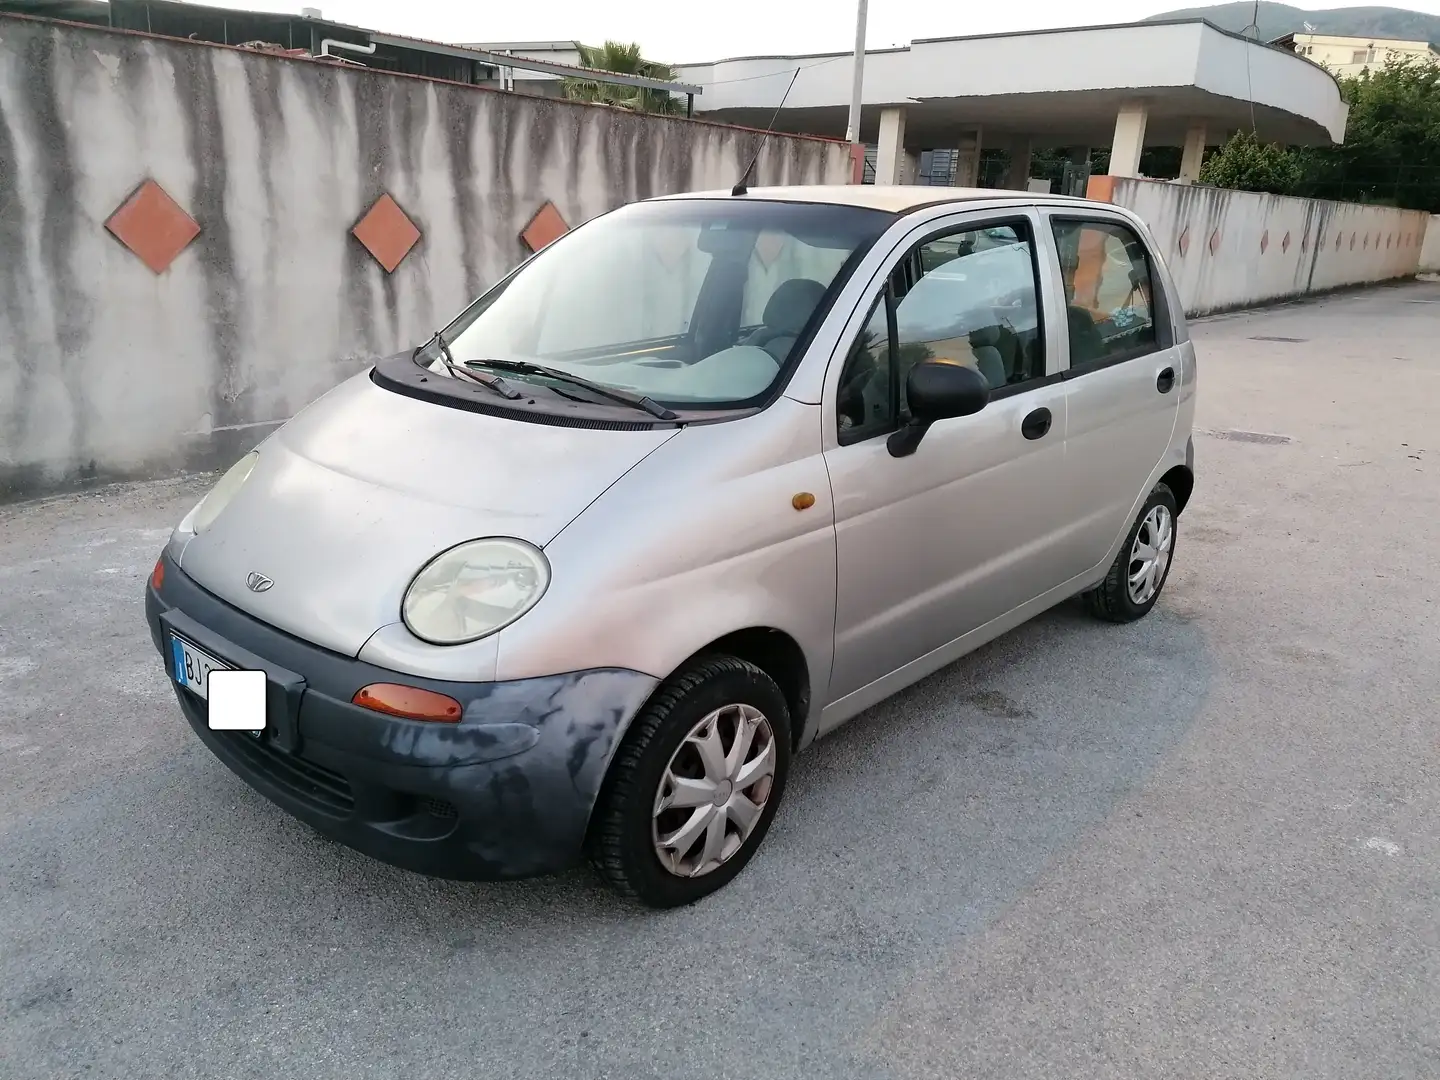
(157, 576)
(410, 702)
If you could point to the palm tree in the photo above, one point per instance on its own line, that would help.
(624, 60)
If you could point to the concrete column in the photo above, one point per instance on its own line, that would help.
(1193, 155)
(967, 160)
(890, 150)
(1017, 176)
(1129, 139)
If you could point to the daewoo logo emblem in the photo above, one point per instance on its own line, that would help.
(257, 582)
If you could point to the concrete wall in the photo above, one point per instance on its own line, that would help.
(1234, 249)
(1430, 252)
(110, 369)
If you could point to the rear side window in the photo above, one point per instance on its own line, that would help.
(1109, 293)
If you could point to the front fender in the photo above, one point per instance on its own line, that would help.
(700, 540)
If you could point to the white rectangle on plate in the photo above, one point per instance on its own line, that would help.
(237, 700)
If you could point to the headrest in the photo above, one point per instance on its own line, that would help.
(792, 304)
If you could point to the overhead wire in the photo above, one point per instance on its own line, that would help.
(776, 74)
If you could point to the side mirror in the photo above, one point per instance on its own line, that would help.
(937, 390)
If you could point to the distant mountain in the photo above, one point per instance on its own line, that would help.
(1277, 20)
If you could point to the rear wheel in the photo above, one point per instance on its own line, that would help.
(1140, 570)
(695, 785)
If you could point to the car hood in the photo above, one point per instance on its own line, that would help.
(351, 497)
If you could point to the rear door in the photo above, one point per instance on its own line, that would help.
(1122, 373)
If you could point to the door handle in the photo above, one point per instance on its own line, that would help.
(1165, 382)
(1036, 424)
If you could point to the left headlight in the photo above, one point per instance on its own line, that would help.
(220, 495)
(474, 589)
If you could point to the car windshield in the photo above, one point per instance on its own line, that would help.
(692, 303)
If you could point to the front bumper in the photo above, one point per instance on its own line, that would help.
(507, 792)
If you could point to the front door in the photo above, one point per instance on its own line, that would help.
(1122, 379)
(935, 544)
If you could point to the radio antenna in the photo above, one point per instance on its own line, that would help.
(741, 188)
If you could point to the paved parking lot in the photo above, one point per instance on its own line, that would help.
(1205, 845)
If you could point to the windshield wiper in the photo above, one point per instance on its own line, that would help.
(490, 382)
(639, 401)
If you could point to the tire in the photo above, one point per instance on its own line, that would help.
(624, 844)
(1113, 600)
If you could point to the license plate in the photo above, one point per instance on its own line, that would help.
(193, 667)
(236, 698)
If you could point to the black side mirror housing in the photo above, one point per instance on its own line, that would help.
(937, 390)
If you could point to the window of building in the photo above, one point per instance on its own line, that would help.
(1108, 292)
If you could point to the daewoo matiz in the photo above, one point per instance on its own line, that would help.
(688, 489)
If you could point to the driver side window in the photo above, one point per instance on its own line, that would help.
(968, 297)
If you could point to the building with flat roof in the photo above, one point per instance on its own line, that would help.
(1351, 55)
(1185, 83)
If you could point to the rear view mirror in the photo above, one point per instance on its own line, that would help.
(937, 390)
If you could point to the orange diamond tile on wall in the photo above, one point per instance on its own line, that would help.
(544, 228)
(151, 224)
(387, 233)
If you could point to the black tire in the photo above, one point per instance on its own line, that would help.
(620, 844)
(1110, 600)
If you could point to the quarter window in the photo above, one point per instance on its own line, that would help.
(1108, 292)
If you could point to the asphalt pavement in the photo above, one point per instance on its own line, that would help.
(1204, 845)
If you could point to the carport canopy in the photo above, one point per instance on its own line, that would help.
(1170, 83)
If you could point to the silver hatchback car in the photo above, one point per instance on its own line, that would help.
(688, 489)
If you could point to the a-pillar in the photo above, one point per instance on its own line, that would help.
(1129, 139)
(1193, 156)
(967, 160)
(1017, 173)
(890, 150)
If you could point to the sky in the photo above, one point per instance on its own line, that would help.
(681, 33)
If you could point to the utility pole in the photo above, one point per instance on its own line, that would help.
(852, 130)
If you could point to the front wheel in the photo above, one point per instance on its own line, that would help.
(1139, 572)
(694, 786)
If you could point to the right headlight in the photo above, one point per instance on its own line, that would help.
(474, 589)
(225, 489)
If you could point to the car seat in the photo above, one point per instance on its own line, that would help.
(988, 360)
(786, 313)
(1086, 344)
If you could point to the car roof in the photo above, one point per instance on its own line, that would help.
(896, 199)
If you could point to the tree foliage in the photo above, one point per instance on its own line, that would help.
(1391, 152)
(624, 60)
(1247, 164)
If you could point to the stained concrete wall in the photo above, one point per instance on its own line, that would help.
(1234, 249)
(108, 369)
(1430, 252)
